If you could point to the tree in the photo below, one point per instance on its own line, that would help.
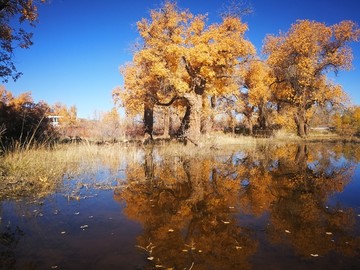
(68, 118)
(12, 37)
(300, 60)
(258, 80)
(22, 120)
(110, 125)
(182, 61)
(347, 122)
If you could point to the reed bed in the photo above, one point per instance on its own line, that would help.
(39, 171)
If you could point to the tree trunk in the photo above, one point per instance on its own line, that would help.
(262, 120)
(251, 128)
(185, 121)
(166, 122)
(148, 121)
(301, 123)
(195, 103)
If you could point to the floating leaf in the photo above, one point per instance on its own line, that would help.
(84, 226)
(170, 230)
(238, 247)
(225, 222)
(314, 255)
(329, 233)
(287, 231)
(150, 258)
(76, 213)
(184, 250)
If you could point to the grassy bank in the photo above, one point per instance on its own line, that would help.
(37, 172)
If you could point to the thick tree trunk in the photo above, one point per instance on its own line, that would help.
(194, 130)
(148, 121)
(250, 125)
(184, 122)
(301, 123)
(262, 120)
(166, 122)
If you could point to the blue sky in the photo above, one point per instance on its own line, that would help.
(79, 45)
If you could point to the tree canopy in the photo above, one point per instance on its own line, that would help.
(13, 36)
(185, 60)
(301, 59)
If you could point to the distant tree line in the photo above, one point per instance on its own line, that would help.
(22, 121)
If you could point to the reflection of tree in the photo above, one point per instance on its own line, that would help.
(187, 218)
(299, 215)
(188, 206)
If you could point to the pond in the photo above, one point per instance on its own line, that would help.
(261, 207)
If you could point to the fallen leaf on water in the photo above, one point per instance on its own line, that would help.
(199, 250)
(238, 247)
(225, 222)
(170, 230)
(287, 231)
(329, 233)
(76, 213)
(231, 207)
(150, 258)
(184, 250)
(84, 226)
(314, 255)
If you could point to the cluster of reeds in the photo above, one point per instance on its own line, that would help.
(39, 171)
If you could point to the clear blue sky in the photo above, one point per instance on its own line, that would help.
(79, 45)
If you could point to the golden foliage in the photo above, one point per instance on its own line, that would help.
(301, 58)
(178, 51)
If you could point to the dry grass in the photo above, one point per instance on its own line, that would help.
(37, 172)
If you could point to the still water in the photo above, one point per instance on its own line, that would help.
(266, 207)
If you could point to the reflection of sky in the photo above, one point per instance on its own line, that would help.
(351, 194)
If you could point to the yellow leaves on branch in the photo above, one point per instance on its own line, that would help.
(301, 58)
(179, 48)
(258, 80)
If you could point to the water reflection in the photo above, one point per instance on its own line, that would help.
(264, 207)
(216, 212)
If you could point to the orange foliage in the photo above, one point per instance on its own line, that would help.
(300, 60)
(182, 57)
